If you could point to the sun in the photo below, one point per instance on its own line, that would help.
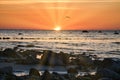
(57, 28)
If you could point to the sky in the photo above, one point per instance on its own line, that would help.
(67, 14)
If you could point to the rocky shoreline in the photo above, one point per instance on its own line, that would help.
(106, 69)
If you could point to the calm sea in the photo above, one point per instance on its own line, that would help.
(103, 43)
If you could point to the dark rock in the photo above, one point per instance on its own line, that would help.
(99, 31)
(111, 63)
(57, 76)
(6, 38)
(8, 52)
(104, 79)
(46, 75)
(50, 58)
(19, 33)
(10, 77)
(116, 43)
(72, 71)
(85, 31)
(34, 72)
(107, 73)
(6, 70)
(116, 32)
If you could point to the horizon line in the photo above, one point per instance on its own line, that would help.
(66, 29)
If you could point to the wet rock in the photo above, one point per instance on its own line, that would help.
(99, 31)
(6, 38)
(72, 71)
(6, 73)
(111, 63)
(8, 52)
(50, 58)
(46, 75)
(107, 73)
(34, 72)
(57, 76)
(20, 33)
(116, 32)
(6, 70)
(104, 79)
(85, 31)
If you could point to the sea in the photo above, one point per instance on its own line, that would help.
(104, 43)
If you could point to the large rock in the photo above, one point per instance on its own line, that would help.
(34, 72)
(8, 52)
(6, 70)
(112, 64)
(107, 73)
(50, 58)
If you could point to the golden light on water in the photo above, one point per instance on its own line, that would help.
(57, 28)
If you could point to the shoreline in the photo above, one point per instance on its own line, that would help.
(23, 70)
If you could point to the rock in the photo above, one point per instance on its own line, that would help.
(6, 73)
(85, 31)
(72, 71)
(104, 79)
(58, 76)
(111, 63)
(10, 77)
(50, 58)
(85, 78)
(46, 75)
(107, 73)
(6, 70)
(34, 72)
(8, 52)
(116, 32)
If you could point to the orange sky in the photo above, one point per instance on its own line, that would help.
(69, 14)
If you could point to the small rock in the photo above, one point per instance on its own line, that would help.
(46, 75)
(34, 72)
(72, 71)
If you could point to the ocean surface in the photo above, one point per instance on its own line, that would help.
(102, 43)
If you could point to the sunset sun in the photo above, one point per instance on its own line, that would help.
(57, 28)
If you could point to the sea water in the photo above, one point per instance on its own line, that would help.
(102, 43)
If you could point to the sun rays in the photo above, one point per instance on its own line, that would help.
(69, 14)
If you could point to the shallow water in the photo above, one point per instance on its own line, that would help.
(105, 43)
